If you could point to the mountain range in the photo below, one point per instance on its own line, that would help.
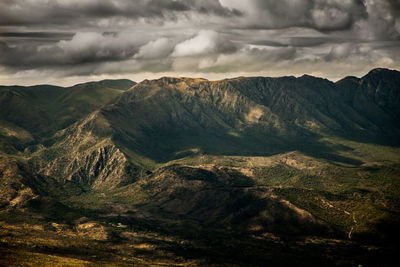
(188, 171)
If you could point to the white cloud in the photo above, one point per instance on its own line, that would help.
(155, 49)
(331, 17)
(340, 51)
(205, 42)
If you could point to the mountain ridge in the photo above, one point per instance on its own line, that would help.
(161, 118)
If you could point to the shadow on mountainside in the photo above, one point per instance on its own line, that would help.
(171, 144)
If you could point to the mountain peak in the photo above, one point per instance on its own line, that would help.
(308, 77)
(348, 79)
(379, 70)
(120, 84)
(382, 72)
(174, 80)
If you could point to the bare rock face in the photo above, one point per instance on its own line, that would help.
(95, 167)
(86, 154)
(103, 165)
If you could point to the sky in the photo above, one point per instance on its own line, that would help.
(64, 42)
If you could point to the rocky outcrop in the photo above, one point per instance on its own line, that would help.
(86, 154)
(103, 165)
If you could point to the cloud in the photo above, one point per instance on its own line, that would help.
(382, 22)
(26, 56)
(324, 15)
(205, 42)
(67, 38)
(340, 51)
(41, 35)
(159, 48)
(248, 58)
(94, 46)
(83, 48)
(79, 12)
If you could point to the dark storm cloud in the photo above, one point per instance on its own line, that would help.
(269, 43)
(50, 35)
(28, 12)
(27, 56)
(82, 48)
(311, 41)
(384, 20)
(298, 42)
(395, 5)
(39, 38)
(324, 15)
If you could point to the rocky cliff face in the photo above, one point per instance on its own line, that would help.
(84, 153)
(104, 165)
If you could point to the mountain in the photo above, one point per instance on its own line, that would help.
(197, 172)
(42, 110)
(82, 99)
(376, 96)
(161, 120)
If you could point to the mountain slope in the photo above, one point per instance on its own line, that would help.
(21, 189)
(40, 111)
(82, 99)
(85, 154)
(218, 198)
(377, 97)
(42, 108)
(28, 107)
